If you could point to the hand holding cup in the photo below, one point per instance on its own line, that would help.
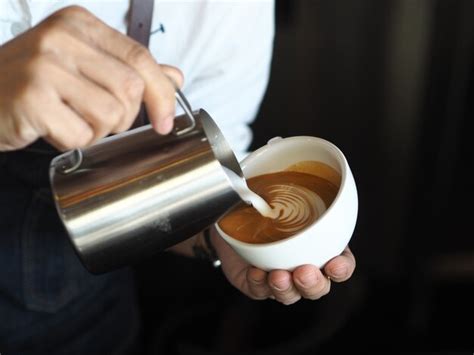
(326, 212)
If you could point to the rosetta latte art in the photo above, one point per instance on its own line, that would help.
(299, 198)
(297, 207)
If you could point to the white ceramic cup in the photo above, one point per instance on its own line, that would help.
(329, 234)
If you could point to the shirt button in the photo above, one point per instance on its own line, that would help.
(18, 28)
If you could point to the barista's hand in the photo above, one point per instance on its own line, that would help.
(72, 80)
(306, 281)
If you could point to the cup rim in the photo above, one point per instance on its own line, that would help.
(343, 165)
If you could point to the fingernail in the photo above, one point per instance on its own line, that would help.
(340, 272)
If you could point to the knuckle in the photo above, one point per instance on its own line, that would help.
(35, 81)
(51, 38)
(112, 114)
(134, 86)
(38, 65)
(23, 133)
(54, 29)
(72, 11)
(24, 95)
(79, 139)
(175, 74)
(47, 35)
(69, 143)
(123, 125)
(25, 104)
(138, 56)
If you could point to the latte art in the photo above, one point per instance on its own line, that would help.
(297, 207)
(297, 199)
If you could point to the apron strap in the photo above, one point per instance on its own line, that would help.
(139, 27)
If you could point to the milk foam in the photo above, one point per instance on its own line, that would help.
(296, 200)
(297, 206)
(247, 195)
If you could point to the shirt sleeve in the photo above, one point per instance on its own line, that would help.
(230, 75)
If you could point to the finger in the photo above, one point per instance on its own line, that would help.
(341, 267)
(160, 99)
(126, 85)
(258, 286)
(91, 102)
(233, 266)
(282, 287)
(56, 122)
(174, 74)
(159, 94)
(310, 282)
(68, 130)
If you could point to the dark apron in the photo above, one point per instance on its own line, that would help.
(49, 303)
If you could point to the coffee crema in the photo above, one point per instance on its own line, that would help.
(300, 194)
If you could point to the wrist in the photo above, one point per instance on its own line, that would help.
(203, 248)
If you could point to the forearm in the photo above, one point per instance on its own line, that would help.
(200, 246)
(185, 248)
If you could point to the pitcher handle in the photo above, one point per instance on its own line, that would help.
(77, 156)
(70, 162)
(183, 102)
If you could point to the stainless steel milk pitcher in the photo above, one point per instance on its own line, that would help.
(136, 193)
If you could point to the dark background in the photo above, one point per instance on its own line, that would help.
(392, 84)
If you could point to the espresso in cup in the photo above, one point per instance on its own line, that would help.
(300, 194)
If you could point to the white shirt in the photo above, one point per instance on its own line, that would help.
(224, 49)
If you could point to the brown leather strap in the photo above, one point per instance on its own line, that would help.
(139, 27)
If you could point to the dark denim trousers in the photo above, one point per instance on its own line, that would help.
(49, 303)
